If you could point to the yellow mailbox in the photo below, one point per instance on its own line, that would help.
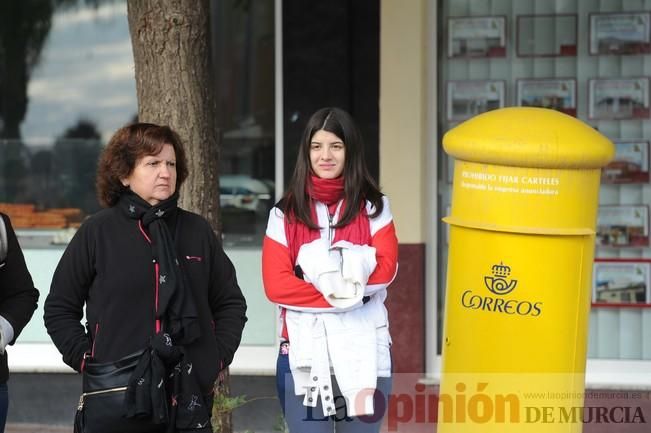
(522, 235)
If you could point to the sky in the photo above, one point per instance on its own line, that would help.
(85, 71)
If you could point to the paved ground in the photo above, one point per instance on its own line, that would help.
(44, 428)
(46, 403)
(36, 428)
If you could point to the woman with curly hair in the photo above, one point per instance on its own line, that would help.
(151, 276)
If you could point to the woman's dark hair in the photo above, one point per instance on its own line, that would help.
(358, 183)
(127, 145)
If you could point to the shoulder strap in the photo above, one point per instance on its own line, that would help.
(3, 241)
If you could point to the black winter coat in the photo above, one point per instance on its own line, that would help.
(18, 297)
(108, 268)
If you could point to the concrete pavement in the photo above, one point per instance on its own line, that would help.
(37, 428)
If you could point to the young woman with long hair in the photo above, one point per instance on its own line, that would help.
(329, 253)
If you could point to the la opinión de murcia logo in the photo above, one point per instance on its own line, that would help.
(499, 283)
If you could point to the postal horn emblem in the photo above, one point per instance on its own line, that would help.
(499, 282)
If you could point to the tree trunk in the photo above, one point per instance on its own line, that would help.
(171, 50)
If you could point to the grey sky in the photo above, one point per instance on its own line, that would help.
(86, 71)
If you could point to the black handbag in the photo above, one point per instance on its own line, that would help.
(102, 407)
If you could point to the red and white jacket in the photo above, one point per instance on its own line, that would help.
(319, 333)
(288, 291)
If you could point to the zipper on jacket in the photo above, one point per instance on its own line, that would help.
(157, 324)
(330, 217)
(157, 276)
(102, 391)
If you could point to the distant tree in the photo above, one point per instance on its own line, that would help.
(14, 163)
(42, 184)
(84, 129)
(24, 27)
(74, 160)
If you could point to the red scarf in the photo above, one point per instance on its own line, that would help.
(330, 192)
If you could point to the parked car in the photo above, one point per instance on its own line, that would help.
(245, 192)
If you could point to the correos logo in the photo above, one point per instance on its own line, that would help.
(500, 284)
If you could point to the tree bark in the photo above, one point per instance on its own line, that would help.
(171, 50)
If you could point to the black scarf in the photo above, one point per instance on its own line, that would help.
(146, 396)
(176, 308)
(165, 368)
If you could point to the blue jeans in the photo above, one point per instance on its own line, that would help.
(304, 419)
(4, 405)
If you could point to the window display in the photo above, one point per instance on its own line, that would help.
(588, 59)
(618, 98)
(477, 37)
(623, 226)
(469, 98)
(557, 94)
(546, 35)
(621, 281)
(620, 33)
(630, 165)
